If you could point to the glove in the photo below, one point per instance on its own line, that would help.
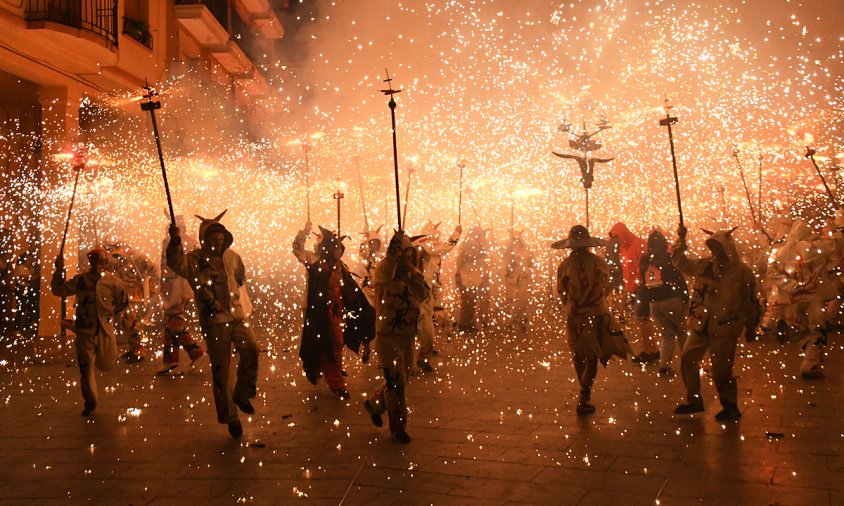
(59, 263)
(174, 232)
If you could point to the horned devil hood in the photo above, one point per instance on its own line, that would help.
(723, 239)
(213, 225)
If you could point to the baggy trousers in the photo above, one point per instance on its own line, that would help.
(721, 341)
(219, 339)
(396, 357)
(670, 318)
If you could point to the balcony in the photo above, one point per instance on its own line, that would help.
(201, 23)
(98, 17)
(81, 33)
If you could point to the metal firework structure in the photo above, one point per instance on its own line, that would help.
(584, 143)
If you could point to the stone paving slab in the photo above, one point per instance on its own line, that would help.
(494, 425)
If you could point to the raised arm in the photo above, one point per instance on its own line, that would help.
(58, 285)
(176, 260)
(304, 256)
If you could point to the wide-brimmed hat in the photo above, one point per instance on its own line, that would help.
(579, 238)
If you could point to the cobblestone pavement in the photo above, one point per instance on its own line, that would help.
(495, 424)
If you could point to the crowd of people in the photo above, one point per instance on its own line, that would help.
(615, 292)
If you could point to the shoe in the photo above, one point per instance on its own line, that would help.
(312, 376)
(813, 373)
(245, 406)
(689, 408)
(134, 359)
(728, 413)
(402, 437)
(90, 407)
(196, 362)
(167, 369)
(584, 408)
(342, 393)
(375, 417)
(235, 429)
(666, 370)
(424, 365)
(344, 373)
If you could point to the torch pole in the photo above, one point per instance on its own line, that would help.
(407, 195)
(587, 209)
(307, 149)
(362, 194)
(338, 196)
(461, 165)
(810, 154)
(77, 169)
(151, 105)
(390, 92)
(746, 190)
(759, 197)
(667, 121)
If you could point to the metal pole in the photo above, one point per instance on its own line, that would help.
(759, 202)
(668, 121)
(392, 103)
(362, 194)
(163, 169)
(587, 208)
(407, 195)
(78, 169)
(746, 190)
(462, 165)
(338, 196)
(307, 149)
(151, 105)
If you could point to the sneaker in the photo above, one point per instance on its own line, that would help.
(245, 406)
(689, 408)
(342, 393)
(584, 408)
(424, 365)
(402, 437)
(89, 409)
(813, 373)
(728, 413)
(312, 376)
(235, 429)
(375, 417)
(168, 369)
(198, 360)
(666, 370)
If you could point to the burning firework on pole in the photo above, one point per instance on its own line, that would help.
(584, 143)
(338, 196)
(390, 92)
(461, 164)
(151, 105)
(667, 121)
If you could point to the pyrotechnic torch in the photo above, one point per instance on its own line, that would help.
(392, 103)
(746, 190)
(151, 105)
(810, 154)
(338, 196)
(78, 160)
(667, 121)
(461, 164)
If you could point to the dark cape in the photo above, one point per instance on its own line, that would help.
(359, 317)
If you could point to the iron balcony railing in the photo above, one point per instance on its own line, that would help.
(95, 16)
